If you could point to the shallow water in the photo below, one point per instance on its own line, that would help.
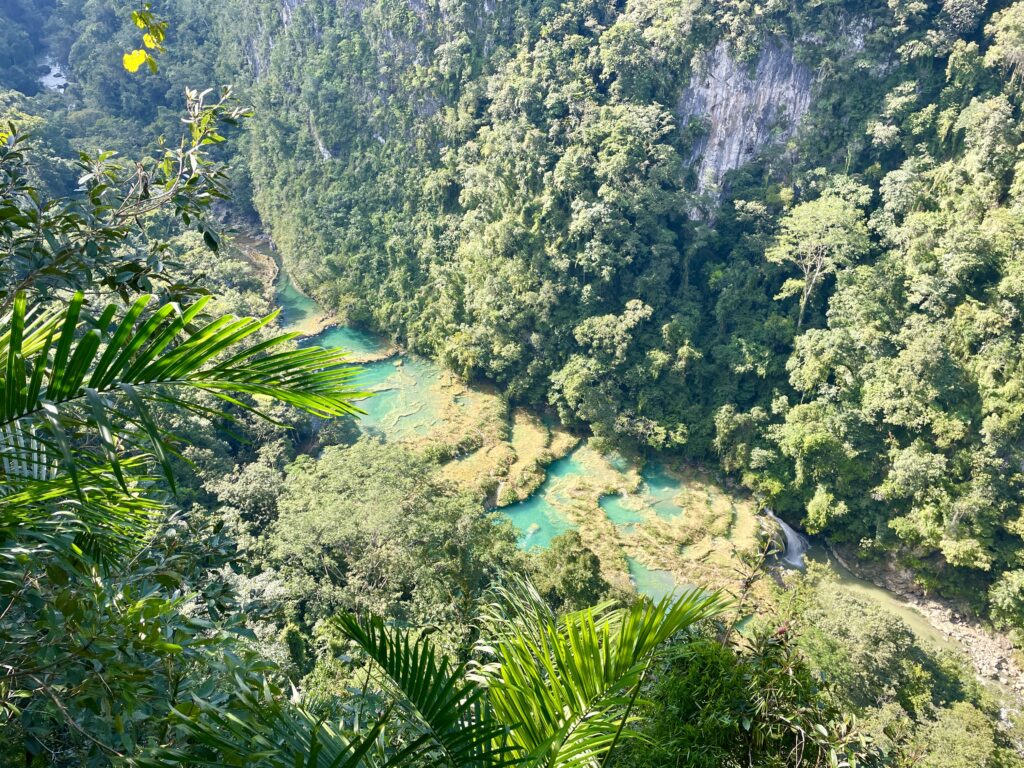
(355, 341)
(296, 307)
(539, 518)
(657, 494)
(405, 405)
(402, 402)
(301, 313)
(885, 599)
(404, 398)
(662, 488)
(54, 78)
(651, 582)
(624, 511)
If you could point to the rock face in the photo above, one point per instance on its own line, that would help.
(259, 41)
(744, 108)
(287, 7)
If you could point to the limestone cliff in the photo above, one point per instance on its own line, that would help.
(287, 7)
(261, 26)
(744, 107)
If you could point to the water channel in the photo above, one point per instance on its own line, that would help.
(53, 79)
(402, 407)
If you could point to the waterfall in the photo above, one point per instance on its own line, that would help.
(796, 544)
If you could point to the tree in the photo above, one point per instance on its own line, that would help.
(554, 692)
(568, 574)
(1007, 32)
(1006, 598)
(371, 528)
(755, 702)
(962, 15)
(99, 631)
(78, 242)
(960, 737)
(818, 238)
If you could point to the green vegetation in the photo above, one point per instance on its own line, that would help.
(399, 542)
(101, 632)
(568, 575)
(126, 637)
(509, 191)
(21, 45)
(572, 675)
(194, 571)
(839, 671)
(919, 705)
(716, 706)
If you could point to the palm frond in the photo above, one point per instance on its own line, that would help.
(566, 685)
(260, 730)
(516, 608)
(67, 383)
(100, 518)
(24, 453)
(447, 709)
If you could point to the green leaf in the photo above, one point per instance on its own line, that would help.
(441, 704)
(211, 241)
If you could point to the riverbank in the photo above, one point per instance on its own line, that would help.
(258, 251)
(992, 654)
(653, 528)
(651, 525)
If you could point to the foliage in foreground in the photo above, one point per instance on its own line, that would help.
(713, 705)
(120, 628)
(107, 612)
(548, 690)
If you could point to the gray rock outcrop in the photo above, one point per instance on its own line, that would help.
(744, 108)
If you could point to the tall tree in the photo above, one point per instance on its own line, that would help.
(818, 237)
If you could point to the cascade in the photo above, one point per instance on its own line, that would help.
(796, 544)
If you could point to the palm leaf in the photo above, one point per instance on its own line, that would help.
(262, 731)
(566, 686)
(99, 515)
(77, 427)
(70, 383)
(447, 709)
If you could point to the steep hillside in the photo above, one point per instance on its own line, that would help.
(664, 247)
(785, 234)
(577, 202)
(782, 235)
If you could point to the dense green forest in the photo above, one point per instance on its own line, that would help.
(778, 237)
(512, 188)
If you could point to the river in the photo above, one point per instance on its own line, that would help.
(53, 79)
(658, 526)
(410, 403)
